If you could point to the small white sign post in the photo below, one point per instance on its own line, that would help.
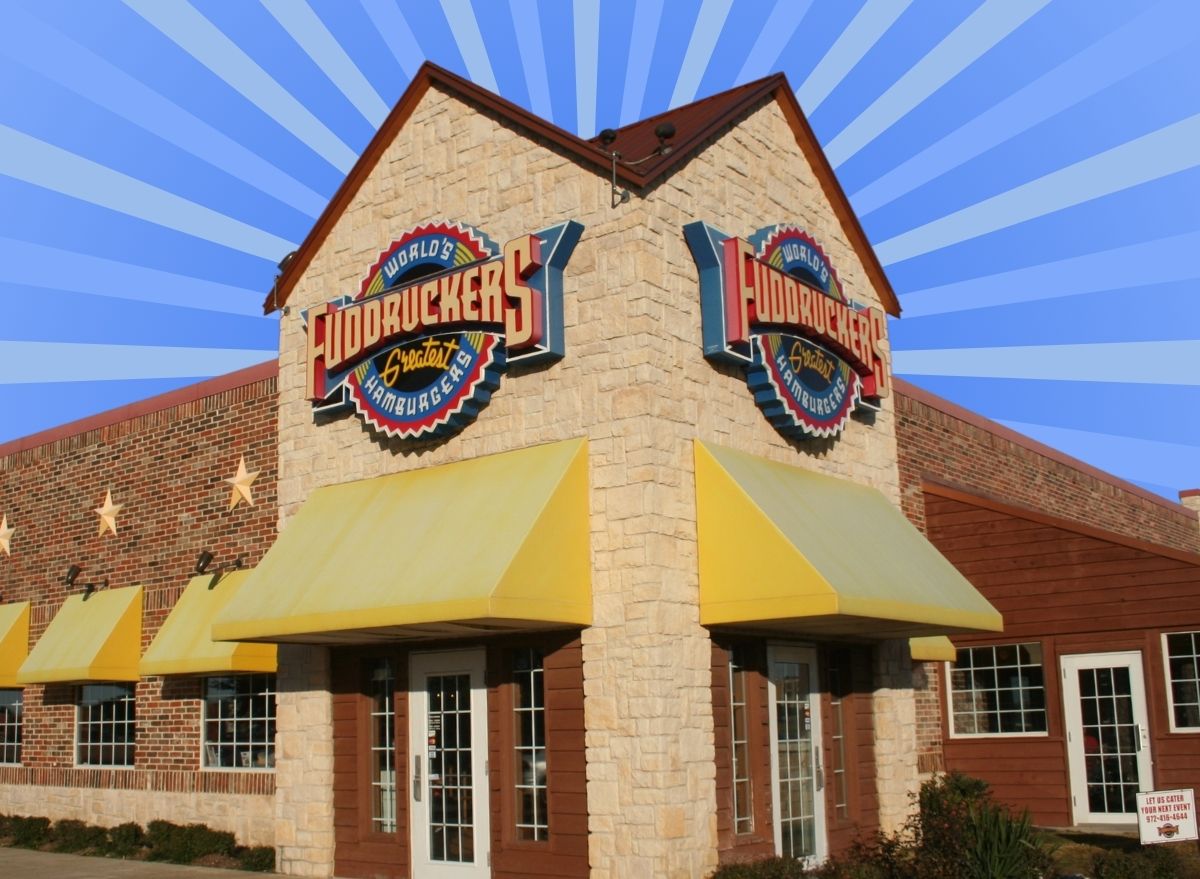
(1166, 815)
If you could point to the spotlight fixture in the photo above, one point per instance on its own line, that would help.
(72, 575)
(204, 564)
(664, 131)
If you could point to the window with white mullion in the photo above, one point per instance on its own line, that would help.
(998, 690)
(105, 727)
(239, 722)
(1182, 655)
(743, 807)
(10, 726)
(529, 709)
(383, 746)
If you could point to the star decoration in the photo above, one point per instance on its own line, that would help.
(108, 514)
(241, 483)
(6, 534)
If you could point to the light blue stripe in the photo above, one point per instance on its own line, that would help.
(1150, 157)
(465, 28)
(1152, 262)
(24, 363)
(646, 17)
(35, 265)
(1089, 72)
(40, 48)
(43, 164)
(863, 32)
(310, 33)
(527, 23)
(393, 27)
(983, 28)
(1155, 363)
(777, 31)
(705, 33)
(587, 64)
(1148, 461)
(201, 39)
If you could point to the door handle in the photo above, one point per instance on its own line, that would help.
(819, 773)
(416, 778)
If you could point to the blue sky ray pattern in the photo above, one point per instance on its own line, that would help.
(587, 64)
(863, 32)
(461, 18)
(201, 39)
(52, 362)
(1024, 168)
(777, 31)
(533, 56)
(982, 29)
(1087, 73)
(302, 24)
(705, 33)
(1171, 362)
(42, 164)
(1150, 157)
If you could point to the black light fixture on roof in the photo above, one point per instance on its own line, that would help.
(664, 131)
(73, 573)
(203, 561)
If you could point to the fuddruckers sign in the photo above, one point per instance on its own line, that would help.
(773, 305)
(439, 317)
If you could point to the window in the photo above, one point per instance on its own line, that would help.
(105, 726)
(998, 690)
(10, 726)
(739, 740)
(529, 739)
(1183, 673)
(239, 722)
(382, 687)
(839, 691)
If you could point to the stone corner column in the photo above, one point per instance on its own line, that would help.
(895, 712)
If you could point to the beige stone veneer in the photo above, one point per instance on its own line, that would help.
(635, 383)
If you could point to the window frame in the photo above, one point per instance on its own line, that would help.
(249, 745)
(949, 669)
(509, 741)
(1169, 680)
(129, 699)
(19, 726)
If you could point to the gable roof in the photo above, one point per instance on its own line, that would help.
(695, 124)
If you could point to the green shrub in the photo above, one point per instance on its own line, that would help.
(182, 845)
(75, 836)
(1152, 862)
(125, 840)
(772, 868)
(258, 859)
(1001, 845)
(29, 832)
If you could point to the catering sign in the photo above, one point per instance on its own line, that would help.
(773, 304)
(437, 320)
(1166, 815)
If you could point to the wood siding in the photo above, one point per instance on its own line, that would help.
(363, 854)
(1074, 593)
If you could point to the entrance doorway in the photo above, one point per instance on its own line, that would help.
(796, 773)
(448, 790)
(1108, 737)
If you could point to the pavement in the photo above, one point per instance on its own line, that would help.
(17, 863)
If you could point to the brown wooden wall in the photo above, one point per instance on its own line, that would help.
(1075, 591)
(361, 853)
(855, 676)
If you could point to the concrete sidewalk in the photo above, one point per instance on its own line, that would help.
(19, 863)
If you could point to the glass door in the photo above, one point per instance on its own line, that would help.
(1108, 738)
(448, 794)
(796, 773)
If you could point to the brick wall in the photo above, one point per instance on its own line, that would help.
(941, 442)
(164, 460)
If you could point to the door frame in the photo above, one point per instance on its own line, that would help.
(799, 653)
(471, 661)
(1070, 665)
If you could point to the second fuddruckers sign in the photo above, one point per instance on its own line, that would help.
(773, 304)
(438, 318)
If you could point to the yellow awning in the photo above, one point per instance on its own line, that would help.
(491, 544)
(93, 637)
(935, 648)
(14, 640)
(783, 548)
(184, 644)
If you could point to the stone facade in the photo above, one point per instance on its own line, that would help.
(635, 384)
